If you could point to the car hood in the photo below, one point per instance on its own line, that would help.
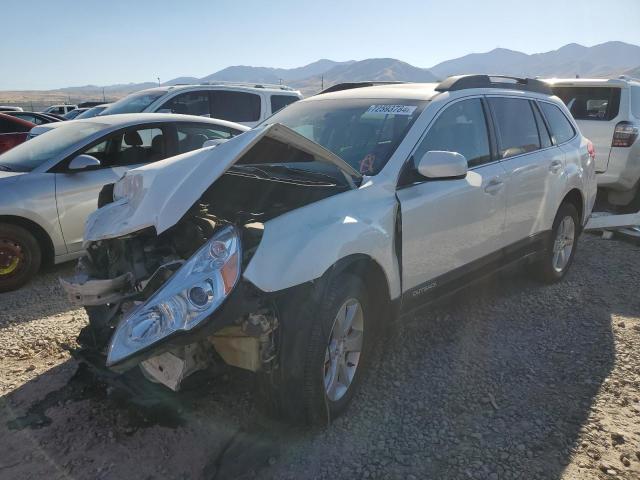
(159, 194)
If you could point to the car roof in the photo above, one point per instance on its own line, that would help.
(415, 91)
(248, 87)
(593, 82)
(128, 119)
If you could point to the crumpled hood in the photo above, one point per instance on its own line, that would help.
(165, 190)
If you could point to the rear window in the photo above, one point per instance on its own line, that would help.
(235, 106)
(278, 102)
(590, 103)
(517, 129)
(561, 128)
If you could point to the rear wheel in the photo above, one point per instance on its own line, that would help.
(557, 257)
(20, 256)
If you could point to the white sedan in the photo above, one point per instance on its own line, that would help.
(50, 183)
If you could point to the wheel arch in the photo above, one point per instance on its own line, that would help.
(40, 234)
(372, 275)
(575, 198)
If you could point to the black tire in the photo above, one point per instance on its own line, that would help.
(20, 257)
(543, 268)
(296, 390)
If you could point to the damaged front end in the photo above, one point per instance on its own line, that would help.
(163, 287)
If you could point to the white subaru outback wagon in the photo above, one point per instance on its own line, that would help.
(287, 249)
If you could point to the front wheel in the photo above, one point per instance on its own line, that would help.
(20, 256)
(557, 257)
(334, 356)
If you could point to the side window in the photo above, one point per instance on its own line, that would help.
(278, 102)
(132, 147)
(192, 137)
(545, 138)
(191, 103)
(516, 126)
(235, 106)
(461, 128)
(561, 128)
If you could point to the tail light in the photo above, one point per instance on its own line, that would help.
(624, 134)
(591, 149)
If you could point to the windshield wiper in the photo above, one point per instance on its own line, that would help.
(5, 168)
(305, 179)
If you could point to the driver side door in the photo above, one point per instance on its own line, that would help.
(77, 190)
(452, 227)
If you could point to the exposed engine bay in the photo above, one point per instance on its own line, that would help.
(145, 279)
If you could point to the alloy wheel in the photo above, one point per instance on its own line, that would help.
(343, 351)
(563, 243)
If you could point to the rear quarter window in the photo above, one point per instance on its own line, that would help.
(590, 103)
(561, 129)
(278, 102)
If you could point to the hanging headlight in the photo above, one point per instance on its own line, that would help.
(193, 293)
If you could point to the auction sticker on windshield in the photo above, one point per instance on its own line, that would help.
(392, 109)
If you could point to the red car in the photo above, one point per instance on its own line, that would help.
(13, 131)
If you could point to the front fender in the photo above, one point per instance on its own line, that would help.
(301, 245)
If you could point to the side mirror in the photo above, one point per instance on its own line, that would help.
(442, 165)
(82, 162)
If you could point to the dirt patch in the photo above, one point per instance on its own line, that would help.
(509, 379)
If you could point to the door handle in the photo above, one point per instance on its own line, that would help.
(555, 166)
(494, 186)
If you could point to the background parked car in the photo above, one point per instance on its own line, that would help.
(93, 111)
(608, 112)
(50, 184)
(74, 113)
(13, 131)
(60, 109)
(241, 103)
(34, 117)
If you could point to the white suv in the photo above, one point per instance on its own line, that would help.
(288, 249)
(247, 104)
(608, 113)
(60, 109)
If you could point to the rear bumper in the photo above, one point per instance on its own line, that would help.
(623, 170)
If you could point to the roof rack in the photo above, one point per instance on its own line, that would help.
(349, 85)
(248, 84)
(463, 82)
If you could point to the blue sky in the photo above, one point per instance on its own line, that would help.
(51, 44)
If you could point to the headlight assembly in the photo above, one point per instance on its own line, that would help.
(193, 293)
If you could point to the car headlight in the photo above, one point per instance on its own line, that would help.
(193, 293)
(129, 187)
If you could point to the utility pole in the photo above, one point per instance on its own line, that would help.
(158, 81)
(103, 97)
(321, 82)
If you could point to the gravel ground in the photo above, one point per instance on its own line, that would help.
(508, 379)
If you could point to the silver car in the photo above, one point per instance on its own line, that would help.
(50, 184)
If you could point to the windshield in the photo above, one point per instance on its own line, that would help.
(92, 112)
(134, 103)
(363, 132)
(32, 153)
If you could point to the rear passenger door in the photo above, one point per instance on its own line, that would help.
(452, 227)
(534, 169)
(77, 190)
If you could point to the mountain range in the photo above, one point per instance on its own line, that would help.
(606, 59)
